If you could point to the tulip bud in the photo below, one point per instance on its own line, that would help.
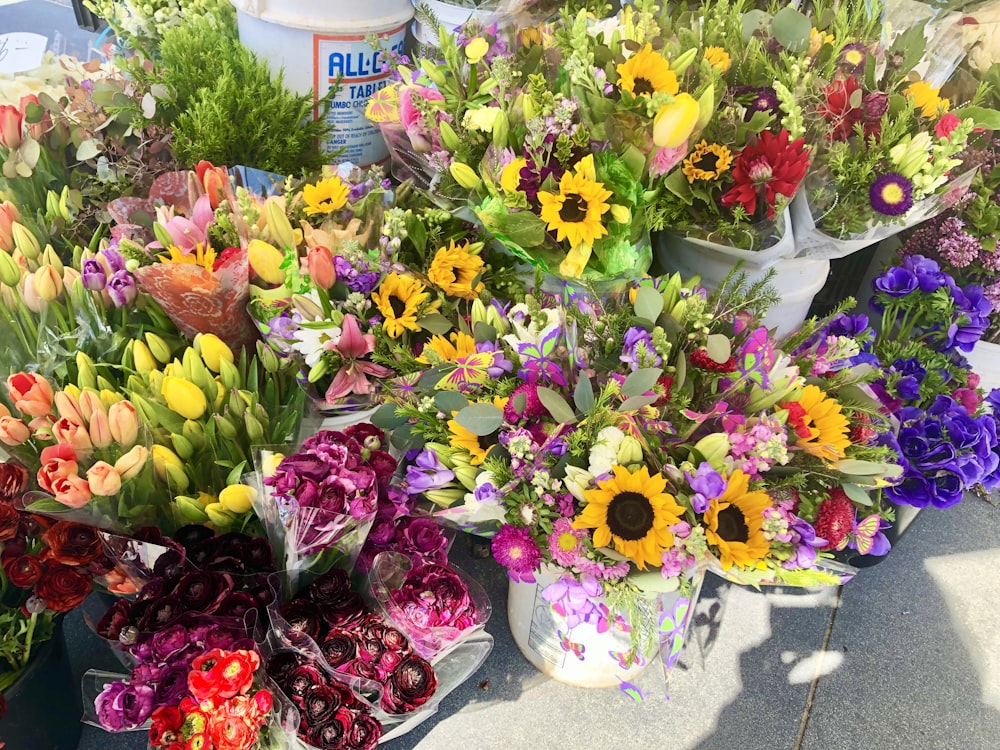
(47, 282)
(322, 271)
(70, 278)
(465, 175)
(528, 107)
(268, 359)
(68, 407)
(714, 448)
(189, 510)
(675, 122)
(629, 451)
(194, 433)
(182, 446)
(49, 257)
(225, 427)
(142, 358)
(25, 241)
(266, 260)
(432, 71)
(13, 431)
(89, 403)
(219, 516)
(213, 350)
(143, 407)
(10, 272)
(254, 430)
(103, 479)
(278, 225)
(229, 376)
(100, 429)
(237, 498)
(8, 215)
(621, 213)
(158, 347)
(30, 295)
(169, 467)
(184, 397)
(445, 498)
(680, 63)
(124, 422)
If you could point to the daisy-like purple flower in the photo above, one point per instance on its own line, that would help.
(518, 552)
(765, 99)
(853, 57)
(891, 194)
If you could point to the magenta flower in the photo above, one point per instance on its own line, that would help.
(515, 549)
(352, 346)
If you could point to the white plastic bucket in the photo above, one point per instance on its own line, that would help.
(797, 280)
(985, 361)
(448, 15)
(316, 43)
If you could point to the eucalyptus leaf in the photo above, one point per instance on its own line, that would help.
(405, 439)
(754, 21)
(792, 29)
(484, 332)
(557, 406)
(718, 348)
(862, 468)
(46, 505)
(985, 118)
(857, 494)
(450, 401)
(480, 419)
(648, 303)
(583, 396)
(637, 402)
(641, 381)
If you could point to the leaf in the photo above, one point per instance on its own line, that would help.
(856, 494)
(641, 381)
(386, 417)
(791, 28)
(405, 439)
(653, 581)
(557, 406)
(985, 118)
(450, 401)
(754, 21)
(484, 332)
(87, 150)
(718, 348)
(637, 402)
(862, 468)
(47, 505)
(583, 396)
(435, 323)
(648, 303)
(480, 419)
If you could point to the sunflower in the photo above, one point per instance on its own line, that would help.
(325, 196)
(926, 98)
(647, 73)
(707, 162)
(203, 255)
(575, 213)
(820, 426)
(460, 345)
(478, 447)
(455, 269)
(399, 299)
(718, 58)
(632, 510)
(733, 523)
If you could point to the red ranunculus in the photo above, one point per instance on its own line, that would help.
(772, 166)
(839, 110)
(222, 674)
(10, 520)
(411, 685)
(63, 586)
(72, 543)
(13, 481)
(23, 571)
(166, 726)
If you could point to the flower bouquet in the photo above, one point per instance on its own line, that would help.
(886, 142)
(554, 167)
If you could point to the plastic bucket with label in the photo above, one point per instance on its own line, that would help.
(320, 44)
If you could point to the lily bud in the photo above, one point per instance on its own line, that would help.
(714, 448)
(445, 498)
(465, 175)
(278, 224)
(448, 136)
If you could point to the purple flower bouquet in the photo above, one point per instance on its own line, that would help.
(436, 605)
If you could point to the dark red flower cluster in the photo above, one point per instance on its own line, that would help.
(835, 519)
(846, 106)
(700, 358)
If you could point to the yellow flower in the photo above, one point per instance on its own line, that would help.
(734, 523)
(476, 49)
(647, 72)
(576, 260)
(477, 446)
(708, 161)
(237, 498)
(675, 122)
(926, 98)
(575, 213)
(718, 58)
(820, 426)
(203, 256)
(454, 269)
(460, 345)
(399, 299)
(213, 350)
(184, 397)
(265, 260)
(817, 39)
(632, 511)
(481, 118)
(325, 196)
(510, 177)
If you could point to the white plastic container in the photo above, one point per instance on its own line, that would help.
(985, 361)
(448, 15)
(319, 43)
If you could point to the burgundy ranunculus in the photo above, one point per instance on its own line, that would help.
(318, 703)
(189, 536)
(304, 616)
(236, 604)
(382, 464)
(339, 647)
(257, 555)
(16, 545)
(261, 590)
(154, 588)
(202, 591)
(13, 481)
(115, 620)
(160, 614)
(330, 734)
(330, 588)
(121, 706)
(63, 587)
(348, 612)
(433, 596)
(281, 664)
(172, 684)
(365, 731)
(364, 430)
(302, 678)
(411, 685)
(23, 571)
(171, 564)
(422, 536)
(169, 641)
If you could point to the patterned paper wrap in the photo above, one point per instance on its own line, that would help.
(202, 301)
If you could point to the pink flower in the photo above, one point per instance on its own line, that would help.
(666, 159)
(412, 119)
(352, 346)
(10, 126)
(967, 398)
(948, 122)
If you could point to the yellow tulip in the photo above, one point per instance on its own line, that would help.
(675, 122)
(220, 517)
(184, 397)
(142, 358)
(266, 261)
(237, 498)
(213, 350)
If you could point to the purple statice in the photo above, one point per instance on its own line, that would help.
(956, 246)
(688, 548)
(577, 600)
(604, 571)
(707, 484)
(360, 278)
(517, 551)
(427, 473)
(638, 350)
(566, 543)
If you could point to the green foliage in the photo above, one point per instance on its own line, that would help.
(225, 106)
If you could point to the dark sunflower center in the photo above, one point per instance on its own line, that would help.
(642, 86)
(630, 516)
(574, 209)
(733, 525)
(397, 305)
(707, 161)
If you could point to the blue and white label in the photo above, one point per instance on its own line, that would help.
(350, 62)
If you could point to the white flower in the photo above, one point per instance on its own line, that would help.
(312, 342)
(577, 480)
(604, 452)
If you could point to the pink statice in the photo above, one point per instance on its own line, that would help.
(992, 292)
(956, 246)
(604, 571)
(566, 543)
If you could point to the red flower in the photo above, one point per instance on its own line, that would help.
(63, 587)
(10, 520)
(700, 358)
(666, 382)
(222, 674)
(166, 727)
(838, 109)
(797, 419)
(72, 543)
(23, 571)
(773, 165)
(13, 481)
(835, 519)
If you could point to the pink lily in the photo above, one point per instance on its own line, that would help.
(187, 233)
(352, 346)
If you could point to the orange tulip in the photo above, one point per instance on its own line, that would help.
(213, 179)
(103, 479)
(31, 393)
(132, 462)
(10, 126)
(68, 407)
(72, 434)
(72, 491)
(124, 423)
(319, 262)
(100, 429)
(8, 216)
(13, 431)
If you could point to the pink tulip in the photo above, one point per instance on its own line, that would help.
(132, 462)
(103, 479)
(72, 491)
(100, 430)
(58, 461)
(68, 407)
(13, 431)
(30, 296)
(41, 428)
(72, 434)
(90, 402)
(10, 126)
(30, 393)
(124, 423)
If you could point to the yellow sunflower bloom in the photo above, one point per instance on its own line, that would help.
(646, 73)
(632, 511)
(926, 98)
(325, 196)
(398, 300)
(718, 58)
(734, 523)
(203, 256)
(454, 270)
(708, 161)
(575, 213)
(510, 176)
(821, 428)
(460, 345)
(477, 446)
